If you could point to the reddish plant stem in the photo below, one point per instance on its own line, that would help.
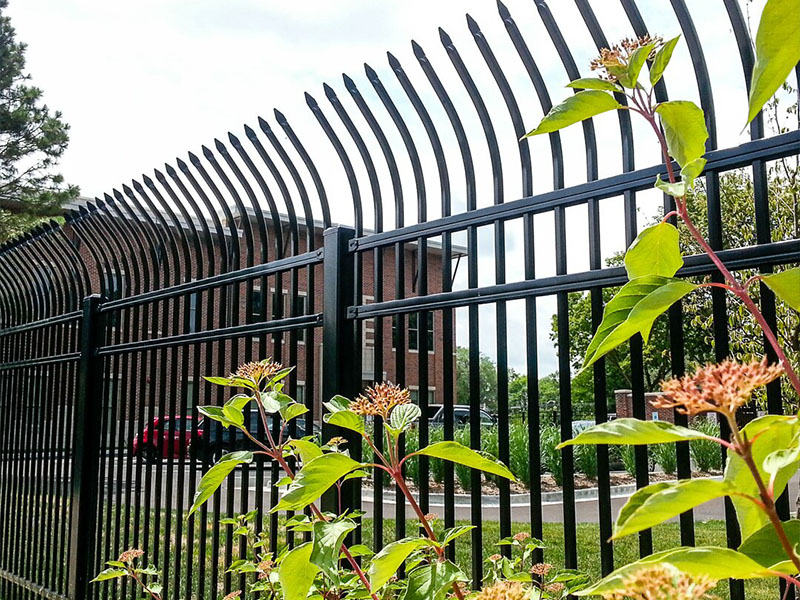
(398, 477)
(744, 448)
(736, 286)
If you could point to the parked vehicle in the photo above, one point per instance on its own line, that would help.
(166, 437)
(461, 415)
(215, 442)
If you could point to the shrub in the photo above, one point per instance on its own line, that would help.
(436, 434)
(706, 453)
(463, 474)
(586, 460)
(518, 451)
(666, 456)
(490, 443)
(412, 464)
(627, 455)
(551, 458)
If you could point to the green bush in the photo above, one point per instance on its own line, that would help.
(666, 456)
(463, 474)
(490, 443)
(627, 455)
(436, 434)
(518, 451)
(586, 460)
(412, 464)
(706, 453)
(551, 458)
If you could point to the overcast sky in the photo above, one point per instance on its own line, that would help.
(143, 82)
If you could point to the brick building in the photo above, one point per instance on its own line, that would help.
(174, 251)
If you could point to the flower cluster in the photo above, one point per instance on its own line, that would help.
(380, 399)
(263, 370)
(129, 556)
(614, 59)
(505, 590)
(663, 583)
(721, 388)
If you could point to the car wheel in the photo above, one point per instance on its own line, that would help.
(149, 455)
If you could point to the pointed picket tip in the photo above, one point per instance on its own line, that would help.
(329, 91)
(280, 117)
(207, 152)
(445, 38)
(234, 140)
(349, 83)
(473, 25)
(312, 103)
(503, 10)
(417, 49)
(170, 169)
(371, 74)
(220, 146)
(250, 132)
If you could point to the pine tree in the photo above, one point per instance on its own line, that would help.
(32, 139)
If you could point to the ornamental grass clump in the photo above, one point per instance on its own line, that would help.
(762, 455)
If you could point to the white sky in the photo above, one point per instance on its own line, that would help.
(143, 82)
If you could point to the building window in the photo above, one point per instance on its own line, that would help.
(301, 393)
(413, 331)
(194, 320)
(283, 310)
(415, 395)
(256, 304)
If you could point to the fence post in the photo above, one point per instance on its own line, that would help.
(85, 451)
(338, 370)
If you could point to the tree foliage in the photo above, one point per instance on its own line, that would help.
(32, 139)
(739, 230)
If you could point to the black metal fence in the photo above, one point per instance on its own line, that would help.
(109, 321)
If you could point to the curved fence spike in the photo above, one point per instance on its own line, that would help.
(312, 169)
(698, 57)
(344, 158)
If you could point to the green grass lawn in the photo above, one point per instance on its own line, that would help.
(625, 551)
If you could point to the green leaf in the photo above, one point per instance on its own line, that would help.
(765, 548)
(709, 561)
(293, 410)
(775, 432)
(633, 432)
(359, 550)
(226, 381)
(326, 544)
(677, 189)
(778, 460)
(274, 402)
(387, 561)
(404, 416)
(662, 59)
(107, 574)
(307, 450)
(337, 403)
(582, 105)
(314, 479)
(458, 453)
(216, 475)
(633, 310)
(432, 581)
(216, 413)
(635, 64)
(655, 251)
(658, 502)
(786, 286)
(296, 573)
(155, 588)
(455, 532)
(777, 51)
(347, 420)
(692, 170)
(685, 130)
(592, 83)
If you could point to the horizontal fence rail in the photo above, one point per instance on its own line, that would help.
(462, 245)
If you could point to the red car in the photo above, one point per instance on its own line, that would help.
(155, 442)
